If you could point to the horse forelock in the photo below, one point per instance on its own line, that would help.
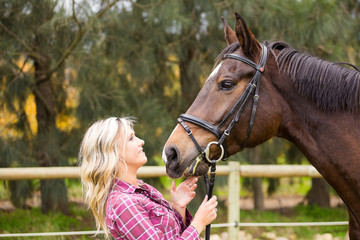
(229, 49)
(330, 86)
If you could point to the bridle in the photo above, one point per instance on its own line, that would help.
(237, 109)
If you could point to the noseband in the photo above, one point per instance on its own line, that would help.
(237, 109)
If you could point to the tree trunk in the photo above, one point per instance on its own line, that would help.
(258, 194)
(319, 193)
(257, 183)
(53, 192)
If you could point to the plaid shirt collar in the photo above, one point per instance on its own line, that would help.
(126, 187)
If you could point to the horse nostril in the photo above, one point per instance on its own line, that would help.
(172, 155)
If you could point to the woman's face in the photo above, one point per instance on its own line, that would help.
(134, 154)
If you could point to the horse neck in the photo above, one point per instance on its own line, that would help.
(311, 128)
(329, 140)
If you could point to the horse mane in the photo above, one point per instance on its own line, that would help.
(330, 86)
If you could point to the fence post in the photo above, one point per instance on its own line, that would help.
(234, 198)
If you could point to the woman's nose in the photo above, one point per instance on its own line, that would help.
(142, 142)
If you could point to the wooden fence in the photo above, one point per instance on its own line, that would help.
(272, 171)
(233, 170)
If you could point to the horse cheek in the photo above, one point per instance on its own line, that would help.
(265, 127)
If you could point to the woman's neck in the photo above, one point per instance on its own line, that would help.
(129, 177)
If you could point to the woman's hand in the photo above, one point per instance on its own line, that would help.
(205, 214)
(183, 194)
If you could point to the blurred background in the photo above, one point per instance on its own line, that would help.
(65, 64)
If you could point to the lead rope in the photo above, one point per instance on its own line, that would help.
(209, 189)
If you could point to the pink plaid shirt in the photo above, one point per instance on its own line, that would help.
(143, 213)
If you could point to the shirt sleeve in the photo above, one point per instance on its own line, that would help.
(188, 218)
(190, 233)
(133, 222)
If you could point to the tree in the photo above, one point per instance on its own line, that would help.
(42, 36)
(319, 193)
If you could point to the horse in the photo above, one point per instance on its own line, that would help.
(304, 99)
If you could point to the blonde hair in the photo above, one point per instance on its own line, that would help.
(99, 157)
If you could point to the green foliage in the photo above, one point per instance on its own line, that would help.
(33, 221)
(298, 214)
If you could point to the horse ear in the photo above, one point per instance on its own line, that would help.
(249, 44)
(230, 35)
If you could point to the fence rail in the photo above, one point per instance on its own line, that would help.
(271, 171)
(233, 170)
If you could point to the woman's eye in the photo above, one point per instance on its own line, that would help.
(226, 85)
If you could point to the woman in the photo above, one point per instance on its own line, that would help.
(124, 206)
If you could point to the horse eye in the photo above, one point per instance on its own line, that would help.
(226, 85)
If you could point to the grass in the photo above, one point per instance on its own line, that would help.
(300, 213)
(80, 219)
(33, 221)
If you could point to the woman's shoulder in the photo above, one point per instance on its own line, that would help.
(119, 202)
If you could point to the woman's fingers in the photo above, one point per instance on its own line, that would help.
(191, 182)
(212, 200)
(173, 186)
(205, 199)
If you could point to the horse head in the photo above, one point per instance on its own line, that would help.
(227, 83)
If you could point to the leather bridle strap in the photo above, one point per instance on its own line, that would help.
(254, 83)
(201, 123)
(189, 133)
(209, 189)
